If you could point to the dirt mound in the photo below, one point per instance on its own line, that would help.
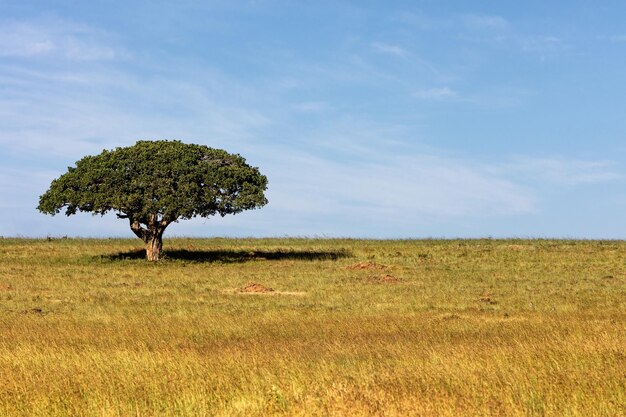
(368, 265)
(254, 287)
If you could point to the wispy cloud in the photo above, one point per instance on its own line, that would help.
(312, 106)
(438, 94)
(615, 38)
(370, 171)
(473, 22)
(406, 186)
(485, 22)
(563, 171)
(383, 194)
(390, 49)
(56, 38)
(494, 30)
(492, 97)
(540, 43)
(87, 110)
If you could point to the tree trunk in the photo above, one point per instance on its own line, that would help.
(152, 235)
(154, 244)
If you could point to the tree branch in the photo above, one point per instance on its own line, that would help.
(139, 231)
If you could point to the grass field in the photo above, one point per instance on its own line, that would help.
(352, 327)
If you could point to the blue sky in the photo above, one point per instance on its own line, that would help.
(385, 119)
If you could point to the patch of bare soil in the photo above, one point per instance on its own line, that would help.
(517, 247)
(367, 265)
(388, 279)
(253, 287)
(605, 277)
(36, 311)
(487, 297)
(451, 316)
(5, 287)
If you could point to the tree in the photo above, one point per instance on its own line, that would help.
(156, 183)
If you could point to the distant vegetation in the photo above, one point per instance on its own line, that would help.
(236, 327)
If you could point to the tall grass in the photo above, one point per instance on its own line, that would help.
(353, 327)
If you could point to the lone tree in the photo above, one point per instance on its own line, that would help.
(155, 183)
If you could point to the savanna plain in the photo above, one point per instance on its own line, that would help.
(313, 327)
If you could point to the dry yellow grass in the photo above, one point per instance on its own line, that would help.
(484, 327)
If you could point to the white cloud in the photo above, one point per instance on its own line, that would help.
(485, 22)
(540, 43)
(389, 49)
(442, 93)
(472, 22)
(616, 38)
(312, 106)
(563, 171)
(384, 194)
(55, 38)
(489, 98)
(53, 113)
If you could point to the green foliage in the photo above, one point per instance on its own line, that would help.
(158, 181)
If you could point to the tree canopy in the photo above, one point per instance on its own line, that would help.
(155, 183)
